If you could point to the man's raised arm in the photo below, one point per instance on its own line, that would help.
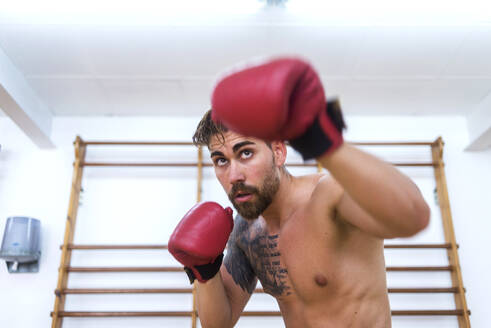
(374, 195)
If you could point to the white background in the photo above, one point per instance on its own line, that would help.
(143, 205)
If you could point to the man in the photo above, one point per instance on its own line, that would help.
(315, 242)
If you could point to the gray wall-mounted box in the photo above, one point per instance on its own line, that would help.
(21, 245)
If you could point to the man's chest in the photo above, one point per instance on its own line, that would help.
(266, 258)
(292, 262)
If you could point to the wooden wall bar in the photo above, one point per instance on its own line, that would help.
(450, 245)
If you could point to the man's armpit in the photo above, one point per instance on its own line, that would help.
(238, 265)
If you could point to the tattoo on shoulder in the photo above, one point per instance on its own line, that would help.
(236, 261)
(253, 253)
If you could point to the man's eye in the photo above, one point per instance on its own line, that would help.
(246, 154)
(221, 161)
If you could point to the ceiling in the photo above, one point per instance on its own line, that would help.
(169, 67)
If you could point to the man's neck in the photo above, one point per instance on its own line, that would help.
(283, 204)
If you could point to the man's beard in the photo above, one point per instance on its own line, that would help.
(253, 208)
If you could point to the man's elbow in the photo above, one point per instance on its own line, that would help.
(417, 219)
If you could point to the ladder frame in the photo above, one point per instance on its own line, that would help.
(80, 148)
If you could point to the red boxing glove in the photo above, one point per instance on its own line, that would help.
(199, 239)
(280, 100)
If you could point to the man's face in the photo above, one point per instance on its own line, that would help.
(247, 171)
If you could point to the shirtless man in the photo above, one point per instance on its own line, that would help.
(314, 242)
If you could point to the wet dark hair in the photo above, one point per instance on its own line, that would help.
(206, 129)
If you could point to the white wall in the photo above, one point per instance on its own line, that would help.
(468, 178)
(143, 206)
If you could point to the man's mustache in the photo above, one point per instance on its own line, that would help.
(242, 187)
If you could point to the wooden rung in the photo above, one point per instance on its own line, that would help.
(124, 314)
(420, 268)
(244, 314)
(96, 247)
(89, 247)
(407, 290)
(187, 143)
(444, 246)
(393, 312)
(138, 143)
(124, 269)
(423, 290)
(99, 164)
(190, 290)
(428, 312)
(125, 291)
(179, 269)
(186, 164)
(411, 143)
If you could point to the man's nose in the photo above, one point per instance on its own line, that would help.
(236, 173)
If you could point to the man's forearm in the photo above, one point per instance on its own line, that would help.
(378, 187)
(213, 304)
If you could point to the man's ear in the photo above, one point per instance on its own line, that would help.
(279, 152)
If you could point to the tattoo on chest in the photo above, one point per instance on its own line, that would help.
(265, 258)
(253, 253)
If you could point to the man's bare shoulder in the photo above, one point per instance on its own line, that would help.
(327, 198)
(326, 191)
(245, 230)
(236, 261)
(323, 203)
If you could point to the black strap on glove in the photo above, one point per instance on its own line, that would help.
(207, 271)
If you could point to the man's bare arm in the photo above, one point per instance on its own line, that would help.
(213, 304)
(374, 195)
(222, 299)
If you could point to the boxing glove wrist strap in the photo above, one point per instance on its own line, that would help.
(324, 135)
(206, 271)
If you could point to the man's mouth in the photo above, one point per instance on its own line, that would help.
(242, 196)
